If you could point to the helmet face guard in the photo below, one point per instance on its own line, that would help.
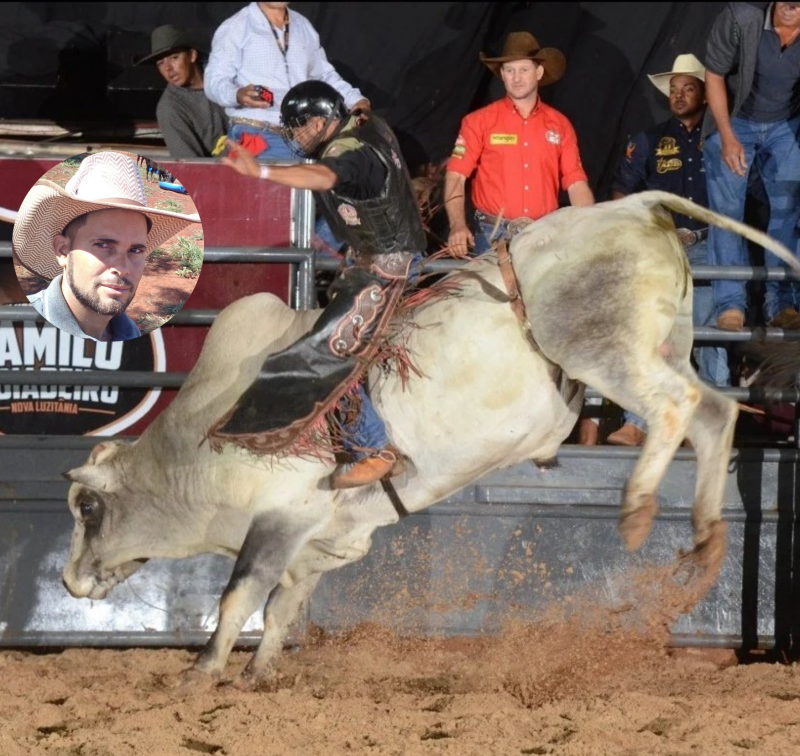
(309, 147)
(304, 101)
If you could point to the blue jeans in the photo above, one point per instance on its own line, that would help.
(277, 149)
(712, 361)
(367, 431)
(774, 150)
(484, 238)
(324, 239)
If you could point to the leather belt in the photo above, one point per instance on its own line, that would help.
(489, 218)
(263, 125)
(512, 226)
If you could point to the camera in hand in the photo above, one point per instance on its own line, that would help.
(264, 94)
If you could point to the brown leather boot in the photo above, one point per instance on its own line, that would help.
(628, 435)
(731, 320)
(788, 317)
(588, 432)
(386, 462)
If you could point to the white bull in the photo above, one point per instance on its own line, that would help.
(609, 295)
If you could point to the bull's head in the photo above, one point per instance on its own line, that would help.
(103, 551)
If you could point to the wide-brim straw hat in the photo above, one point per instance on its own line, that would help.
(167, 39)
(684, 64)
(105, 180)
(524, 46)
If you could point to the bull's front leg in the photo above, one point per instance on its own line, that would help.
(297, 584)
(281, 612)
(271, 543)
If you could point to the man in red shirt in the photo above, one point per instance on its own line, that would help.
(521, 151)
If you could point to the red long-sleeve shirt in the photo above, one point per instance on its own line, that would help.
(519, 163)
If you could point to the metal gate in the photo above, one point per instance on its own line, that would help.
(506, 546)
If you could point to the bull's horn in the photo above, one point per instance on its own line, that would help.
(88, 475)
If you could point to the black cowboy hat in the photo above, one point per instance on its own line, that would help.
(168, 38)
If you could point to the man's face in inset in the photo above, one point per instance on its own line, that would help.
(687, 95)
(104, 260)
(178, 68)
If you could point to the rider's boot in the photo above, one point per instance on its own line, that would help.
(386, 462)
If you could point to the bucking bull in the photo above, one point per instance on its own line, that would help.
(608, 293)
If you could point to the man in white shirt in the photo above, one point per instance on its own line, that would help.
(267, 45)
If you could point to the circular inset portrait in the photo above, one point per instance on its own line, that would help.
(107, 246)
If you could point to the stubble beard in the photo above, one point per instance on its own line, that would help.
(92, 300)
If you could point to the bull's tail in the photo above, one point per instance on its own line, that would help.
(698, 212)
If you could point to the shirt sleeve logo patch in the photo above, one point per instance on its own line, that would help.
(349, 214)
(629, 150)
(667, 146)
(502, 139)
(460, 148)
(553, 137)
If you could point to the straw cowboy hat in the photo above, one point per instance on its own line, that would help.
(167, 39)
(105, 180)
(523, 46)
(684, 64)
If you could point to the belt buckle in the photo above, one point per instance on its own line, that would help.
(517, 225)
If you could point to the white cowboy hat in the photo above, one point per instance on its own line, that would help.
(684, 64)
(104, 180)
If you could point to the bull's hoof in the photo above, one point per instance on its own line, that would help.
(711, 550)
(194, 680)
(699, 568)
(551, 463)
(250, 680)
(634, 526)
(705, 559)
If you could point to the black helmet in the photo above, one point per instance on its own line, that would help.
(309, 99)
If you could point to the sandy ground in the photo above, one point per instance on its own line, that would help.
(580, 683)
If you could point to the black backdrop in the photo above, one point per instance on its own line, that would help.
(417, 62)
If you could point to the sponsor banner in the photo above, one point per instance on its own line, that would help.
(42, 409)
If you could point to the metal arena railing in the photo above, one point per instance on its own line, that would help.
(306, 262)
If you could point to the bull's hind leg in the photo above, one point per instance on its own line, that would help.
(711, 434)
(667, 400)
(271, 543)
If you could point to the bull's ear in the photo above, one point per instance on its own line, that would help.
(88, 475)
(105, 452)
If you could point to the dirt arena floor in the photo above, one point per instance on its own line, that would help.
(581, 682)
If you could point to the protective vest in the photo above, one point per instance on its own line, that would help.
(384, 224)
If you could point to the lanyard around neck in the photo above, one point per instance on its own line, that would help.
(284, 46)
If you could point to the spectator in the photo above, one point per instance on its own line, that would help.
(669, 157)
(753, 120)
(521, 150)
(522, 153)
(190, 124)
(366, 195)
(254, 48)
